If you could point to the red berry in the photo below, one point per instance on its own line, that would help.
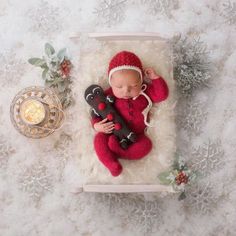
(181, 178)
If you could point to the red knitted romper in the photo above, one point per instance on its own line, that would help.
(107, 146)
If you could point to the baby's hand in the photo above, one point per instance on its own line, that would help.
(104, 127)
(150, 73)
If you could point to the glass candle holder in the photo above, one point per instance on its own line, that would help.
(36, 112)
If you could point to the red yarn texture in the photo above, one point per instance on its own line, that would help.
(107, 146)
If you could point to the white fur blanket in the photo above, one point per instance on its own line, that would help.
(93, 69)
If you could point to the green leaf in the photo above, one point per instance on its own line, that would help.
(163, 177)
(182, 196)
(185, 167)
(61, 54)
(193, 177)
(36, 61)
(44, 73)
(50, 78)
(49, 50)
(48, 83)
(72, 101)
(66, 83)
(56, 80)
(44, 66)
(61, 87)
(66, 101)
(54, 60)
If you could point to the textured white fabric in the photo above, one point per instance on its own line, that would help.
(162, 133)
(36, 176)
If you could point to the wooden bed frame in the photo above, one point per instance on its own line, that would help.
(123, 188)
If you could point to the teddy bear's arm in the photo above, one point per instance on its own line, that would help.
(95, 117)
(110, 98)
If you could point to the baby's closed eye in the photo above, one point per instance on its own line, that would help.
(129, 87)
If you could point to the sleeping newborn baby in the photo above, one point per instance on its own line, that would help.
(133, 100)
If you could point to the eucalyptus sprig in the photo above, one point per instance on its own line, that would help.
(56, 72)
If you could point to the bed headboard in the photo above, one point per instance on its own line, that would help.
(123, 36)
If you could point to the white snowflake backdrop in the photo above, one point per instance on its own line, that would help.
(37, 176)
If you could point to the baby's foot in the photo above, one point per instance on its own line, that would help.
(115, 168)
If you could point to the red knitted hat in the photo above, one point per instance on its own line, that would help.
(125, 60)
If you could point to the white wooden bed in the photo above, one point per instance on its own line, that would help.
(99, 183)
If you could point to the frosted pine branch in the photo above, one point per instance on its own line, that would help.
(164, 7)
(192, 67)
(110, 12)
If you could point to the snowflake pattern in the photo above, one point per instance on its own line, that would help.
(229, 12)
(143, 214)
(192, 70)
(146, 214)
(229, 113)
(11, 70)
(113, 200)
(36, 181)
(6, 150)
(62, 148)
(200, 198)
(164, 7)
(45, 19)
(207, 158)
(111, 12)
(191, 117)
(221, 230)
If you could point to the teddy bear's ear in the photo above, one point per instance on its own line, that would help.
(110, 99)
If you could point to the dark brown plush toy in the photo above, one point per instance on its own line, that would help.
(102, 107)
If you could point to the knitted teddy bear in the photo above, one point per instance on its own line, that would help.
(102, 107)
(134, 98)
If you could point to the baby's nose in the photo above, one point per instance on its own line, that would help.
(127, 89)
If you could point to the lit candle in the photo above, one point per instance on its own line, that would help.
(32, 111)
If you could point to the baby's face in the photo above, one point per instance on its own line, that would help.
(126, 84)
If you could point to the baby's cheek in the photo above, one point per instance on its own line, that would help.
(136, 91)
(116, 93)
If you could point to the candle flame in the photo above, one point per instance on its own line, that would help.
(32, 111)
